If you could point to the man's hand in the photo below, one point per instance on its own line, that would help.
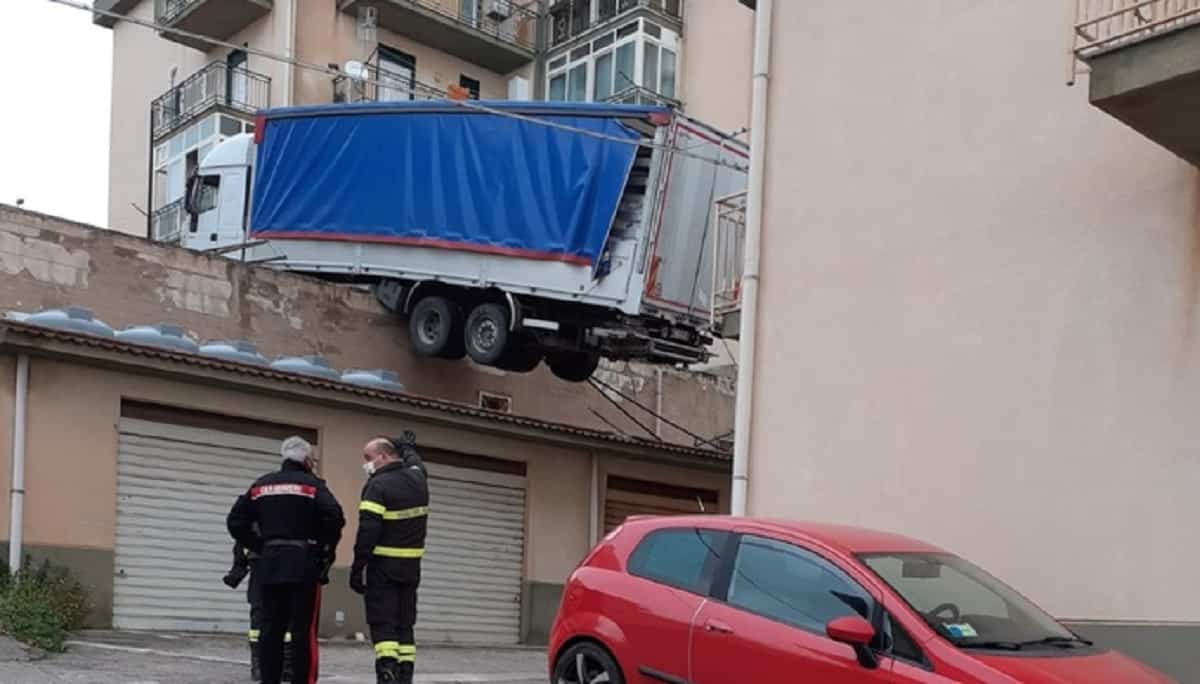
(358, 582)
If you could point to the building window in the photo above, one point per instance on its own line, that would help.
(397, 75)
(495, 402)
(175, 158)
(615, 62)
(470, 85)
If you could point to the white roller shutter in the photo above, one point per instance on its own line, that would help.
(175, 485)
(471, 576)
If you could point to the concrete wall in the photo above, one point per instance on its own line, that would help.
(79, 466)
(980, 317)
(45, 262)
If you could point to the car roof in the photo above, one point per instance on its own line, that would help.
(848, 539)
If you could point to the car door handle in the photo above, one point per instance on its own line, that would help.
(718, 627)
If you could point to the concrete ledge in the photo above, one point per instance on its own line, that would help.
(1168, 647)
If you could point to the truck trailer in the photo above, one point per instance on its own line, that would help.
(514, 233)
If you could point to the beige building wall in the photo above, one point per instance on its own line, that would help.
(980, 313)
(325, 35)
(70, 511)
(714, 62)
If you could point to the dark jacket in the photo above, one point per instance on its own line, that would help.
(299, 525)
(392, 519)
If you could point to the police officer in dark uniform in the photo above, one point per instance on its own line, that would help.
(299, 523)
(388, 550)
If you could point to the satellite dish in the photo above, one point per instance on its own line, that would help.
(356, 70)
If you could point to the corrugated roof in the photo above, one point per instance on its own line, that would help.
(8, 327)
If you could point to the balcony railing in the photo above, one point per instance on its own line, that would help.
(504, 20)
(643, 96)
(1103, 25)
(569, 19)
(214, 86)
(377, 84)
(167, 11)
(168, 222)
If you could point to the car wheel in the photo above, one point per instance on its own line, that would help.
(587, 663)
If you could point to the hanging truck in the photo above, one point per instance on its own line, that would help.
(535, 232)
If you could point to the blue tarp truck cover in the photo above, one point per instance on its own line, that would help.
(437, 174)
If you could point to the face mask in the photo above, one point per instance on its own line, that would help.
(369, 468)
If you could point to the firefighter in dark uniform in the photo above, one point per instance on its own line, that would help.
(299, 523)
(392, 518)
(243, 565)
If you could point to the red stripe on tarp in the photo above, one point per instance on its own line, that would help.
(284, 490)
(425, 242)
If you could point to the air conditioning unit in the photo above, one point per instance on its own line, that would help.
(499, 10)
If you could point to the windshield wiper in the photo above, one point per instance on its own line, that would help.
(1058, 641)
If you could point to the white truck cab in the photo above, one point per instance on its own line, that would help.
(218, 195)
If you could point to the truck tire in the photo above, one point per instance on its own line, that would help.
(435, 327)
(522, 356)
(486, 334)
(573, 366)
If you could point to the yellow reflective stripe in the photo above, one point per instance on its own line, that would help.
(372, 507)
(407, 513)
(252, 635)
(405, 653)
(395, 552)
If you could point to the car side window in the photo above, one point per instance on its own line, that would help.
(792, 585)
(893, 640)
(684, 558)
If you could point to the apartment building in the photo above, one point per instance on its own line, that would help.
(980, 295)
(175, 95)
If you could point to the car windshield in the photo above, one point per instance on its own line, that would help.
(966, 605)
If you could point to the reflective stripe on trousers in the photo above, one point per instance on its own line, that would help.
(404, 653)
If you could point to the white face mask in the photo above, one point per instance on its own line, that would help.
(369, 468)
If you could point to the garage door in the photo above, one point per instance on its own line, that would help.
(175, 485)
(625, 497)
(475, 552)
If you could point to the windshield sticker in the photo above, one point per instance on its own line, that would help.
(961, 630)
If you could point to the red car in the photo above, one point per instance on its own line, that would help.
(712, 600)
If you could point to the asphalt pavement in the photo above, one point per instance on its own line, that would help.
(143, 658)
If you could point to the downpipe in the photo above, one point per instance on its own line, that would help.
(17, 490)
(747, 338)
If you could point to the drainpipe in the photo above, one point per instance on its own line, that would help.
(290, 68)
(749, 304)
(594, 503)
(17, 493)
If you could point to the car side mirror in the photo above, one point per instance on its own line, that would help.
(857, 633)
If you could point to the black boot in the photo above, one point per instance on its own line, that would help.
(387, 671)
(405, 673)
(255, 666)
(287, 662)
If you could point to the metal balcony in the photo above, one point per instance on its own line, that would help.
(217, 19)
(214, 87)
(1144, 61)
(168, 223)
(639, 95)
(117, 6)
(569, 20)
(380, 85)
(499, 37)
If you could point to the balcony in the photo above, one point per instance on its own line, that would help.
(1144, 61)
(498, 35)
(116, 6)
(377, 84)
(637, 95)
(214, 87)
(217, 19)
(572, 19)
(168, 222)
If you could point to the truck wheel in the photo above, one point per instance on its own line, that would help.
(432, 325)
(522, 356)
(486, 334)
(573, 366)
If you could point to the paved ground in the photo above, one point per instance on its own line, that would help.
(123, 658)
